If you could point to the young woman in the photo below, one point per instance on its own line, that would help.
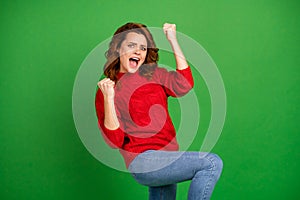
(132, 111)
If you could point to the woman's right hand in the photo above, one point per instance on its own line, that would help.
(107, 87)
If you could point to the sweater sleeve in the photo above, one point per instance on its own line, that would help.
(176, 83)
(114, 138)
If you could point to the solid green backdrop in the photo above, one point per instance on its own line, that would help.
(255, 45)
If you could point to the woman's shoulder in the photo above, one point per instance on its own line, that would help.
(160, 70)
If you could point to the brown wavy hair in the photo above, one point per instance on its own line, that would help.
(112, 65)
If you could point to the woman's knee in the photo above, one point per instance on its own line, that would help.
(217, 162)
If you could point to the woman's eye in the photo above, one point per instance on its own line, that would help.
(143, 48)
(131, 45)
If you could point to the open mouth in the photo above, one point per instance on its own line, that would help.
(133, 62)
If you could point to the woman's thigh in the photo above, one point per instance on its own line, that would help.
(157, 168)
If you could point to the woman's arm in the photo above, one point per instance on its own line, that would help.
(110, 117)
(177, 83)
(170, 31)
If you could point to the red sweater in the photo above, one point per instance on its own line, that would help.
(142, 110)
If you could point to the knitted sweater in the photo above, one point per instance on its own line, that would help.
(142, 110)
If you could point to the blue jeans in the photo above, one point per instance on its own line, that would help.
(161, 170)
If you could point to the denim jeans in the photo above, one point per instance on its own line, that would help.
(161, 170)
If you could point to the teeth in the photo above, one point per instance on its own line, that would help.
(137, 59)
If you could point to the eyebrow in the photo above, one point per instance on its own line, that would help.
(136, 44)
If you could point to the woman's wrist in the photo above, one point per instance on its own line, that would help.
(109, 98)
(173, 42)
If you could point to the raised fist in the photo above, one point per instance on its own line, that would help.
(170, 31)
(107, 87)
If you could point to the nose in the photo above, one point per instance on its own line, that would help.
(137, 51)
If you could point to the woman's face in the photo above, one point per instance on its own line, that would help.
(133, 51)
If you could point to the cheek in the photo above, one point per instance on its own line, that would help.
(125, 50)
(122, 56)
(144, 56)
(123, 59)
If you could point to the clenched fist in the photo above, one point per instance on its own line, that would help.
(107, 87)
(170, 31)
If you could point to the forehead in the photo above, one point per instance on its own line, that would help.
(136, 38)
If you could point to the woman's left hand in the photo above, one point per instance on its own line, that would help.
(170, 31)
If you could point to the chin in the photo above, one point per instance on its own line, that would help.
(133, 70)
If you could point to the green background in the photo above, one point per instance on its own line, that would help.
(255, 45)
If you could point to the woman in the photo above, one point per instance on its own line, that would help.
(133, 115)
